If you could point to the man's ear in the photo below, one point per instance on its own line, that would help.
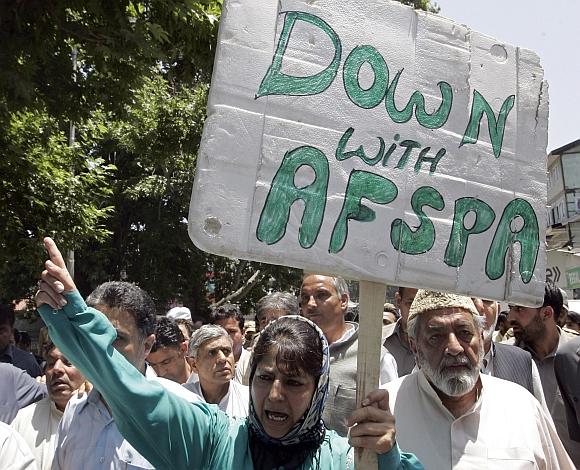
(193, 363)
(183, 346)
(148, 344)
(547, 312)
(344, 302)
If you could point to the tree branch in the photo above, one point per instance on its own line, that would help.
(244, 290)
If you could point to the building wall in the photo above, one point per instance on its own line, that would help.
(555, 181)
(557, 265)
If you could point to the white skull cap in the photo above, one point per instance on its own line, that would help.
(428, 300)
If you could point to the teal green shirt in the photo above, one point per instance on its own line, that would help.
(168, 431)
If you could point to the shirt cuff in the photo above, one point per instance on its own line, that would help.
(390, 459)
(75, 304)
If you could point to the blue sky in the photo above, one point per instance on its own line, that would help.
(548, 27)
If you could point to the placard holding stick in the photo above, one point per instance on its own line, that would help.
(371, 302)
(378, 143)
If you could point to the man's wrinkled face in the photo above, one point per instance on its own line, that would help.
(449, 350)
(320, 303)
(130, 343)
(527, 323)
(214, 362)
(62, 378)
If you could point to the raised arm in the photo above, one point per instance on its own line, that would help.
(166, 430)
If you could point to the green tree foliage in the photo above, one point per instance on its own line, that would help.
(116, 42)
(121, 51)
(153, 151)
(47, 187)
(119, 196)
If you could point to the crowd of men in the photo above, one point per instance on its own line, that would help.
(469, 386)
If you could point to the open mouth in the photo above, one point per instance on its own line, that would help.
(58, 385)
(276, 417)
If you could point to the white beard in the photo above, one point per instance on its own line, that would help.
(452, 383)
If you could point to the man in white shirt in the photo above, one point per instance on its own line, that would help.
(324, 300)
(38, 423)
(452, 416)
(230, 318)
(14, 452)
(212, 358)
(168, 357)
(88, 437)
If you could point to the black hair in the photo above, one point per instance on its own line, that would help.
(7, 315)
(225, 311)
(129, 298)
(167, 334)
(299, 347)
(553, 298)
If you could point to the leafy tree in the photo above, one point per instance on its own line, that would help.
(116, 44)
(47, 187)
(136, 91)
(153, 151)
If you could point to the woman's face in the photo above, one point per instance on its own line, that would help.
(280, 400)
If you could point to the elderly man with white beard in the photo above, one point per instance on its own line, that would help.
(452, 416)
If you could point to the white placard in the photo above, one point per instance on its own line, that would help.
(370, 140)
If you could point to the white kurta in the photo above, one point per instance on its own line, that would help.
(242, 365)
(505, 429)
(235, 403)
(38, 425)
(14, 453)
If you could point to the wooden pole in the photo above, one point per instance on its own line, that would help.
(371, 302)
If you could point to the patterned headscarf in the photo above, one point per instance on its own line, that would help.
(310, 428)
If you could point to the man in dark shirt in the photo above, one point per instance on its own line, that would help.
(10, 353)
(395, 335)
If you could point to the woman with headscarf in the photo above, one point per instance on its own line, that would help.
(288, 385)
